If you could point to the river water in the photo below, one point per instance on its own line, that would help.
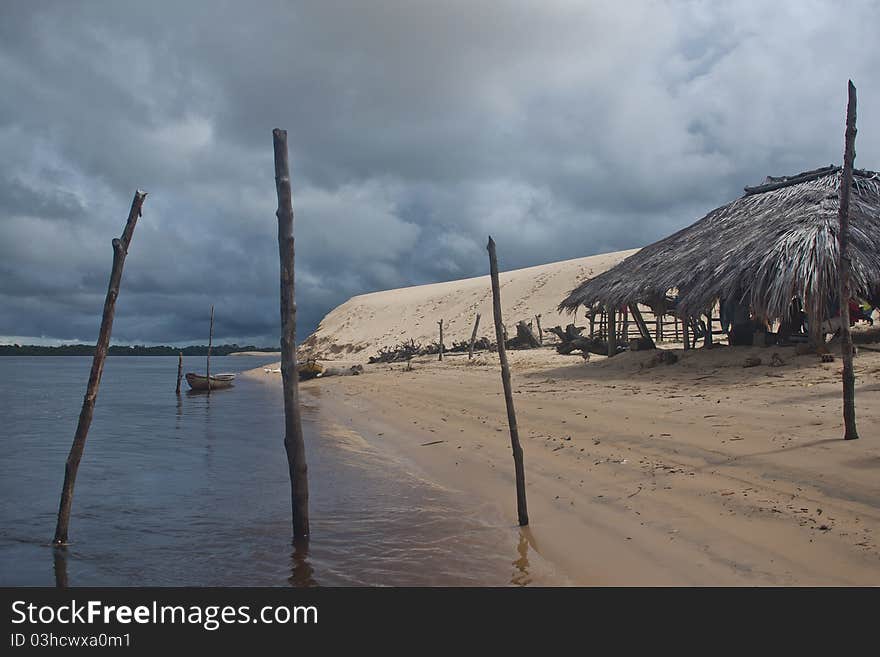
(193, 490)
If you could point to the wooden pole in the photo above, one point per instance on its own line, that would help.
(294, 444)
(684, 332)
(612, 332)
(707, 339)
(521, 509)
(845, 268)
(120, 251)
(473, 337)
(440, 350)
(640, 323)
(675, 323)
(540, 330)
(179, 370)
(659, 319)
(210, 341)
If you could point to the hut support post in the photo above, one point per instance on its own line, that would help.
(707, 339)
(294, 443)
(612, 332)
(473, 337)
(684, 332)
(640, 323)
(521, 509)
(844, 269)
(179, 370)
(120, 251)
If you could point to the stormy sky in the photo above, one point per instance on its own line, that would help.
(564, 129)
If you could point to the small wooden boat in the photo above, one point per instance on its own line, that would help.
(218, 381)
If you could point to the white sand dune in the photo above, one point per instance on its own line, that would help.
(358, 328)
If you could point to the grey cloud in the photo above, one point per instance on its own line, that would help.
(416, 129)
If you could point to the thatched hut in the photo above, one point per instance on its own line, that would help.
(776, 243)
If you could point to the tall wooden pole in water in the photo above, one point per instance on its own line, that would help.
(293, 434)
(120, 250)
(210, 341)
(179, 370)
(521, 509)
(845, 267)
(473, 337)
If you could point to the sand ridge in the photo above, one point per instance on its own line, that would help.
(358, 328)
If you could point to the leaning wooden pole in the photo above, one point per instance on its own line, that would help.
(210, 343)
(120, 251)
(294, 443)
(473, 337)
(844, 269)
(521, 509)
(179, 370)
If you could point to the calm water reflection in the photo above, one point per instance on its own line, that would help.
(193, 490)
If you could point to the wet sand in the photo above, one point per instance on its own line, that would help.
(698, 473)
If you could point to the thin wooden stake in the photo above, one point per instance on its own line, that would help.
(612, 332)
(294, 444)
(210, 341)
(179, 370)
(440, 349)
(473, 337)
(540, 330)
(521, 509)
(120, 251)
(845, 268)
(684, 331)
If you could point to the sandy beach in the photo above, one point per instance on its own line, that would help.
(698, 473)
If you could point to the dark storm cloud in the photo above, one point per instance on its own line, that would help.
(564, 129)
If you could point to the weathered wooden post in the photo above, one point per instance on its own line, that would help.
(640, 323)
(473, 337)
(120, 251)
(612, 332)
(521, 509)
(210, 341)
(684, 331)
(440, 349)
(845, 267)
(707, 339)
(179, 370)
(294, 443)
(540, 330)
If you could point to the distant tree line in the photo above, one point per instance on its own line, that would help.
(133, 350)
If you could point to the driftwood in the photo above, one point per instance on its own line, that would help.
(400, 352)
(524, 339)
(845, 269)
(571, 340)
(294, 443)
(120, 251)
(519, 468)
